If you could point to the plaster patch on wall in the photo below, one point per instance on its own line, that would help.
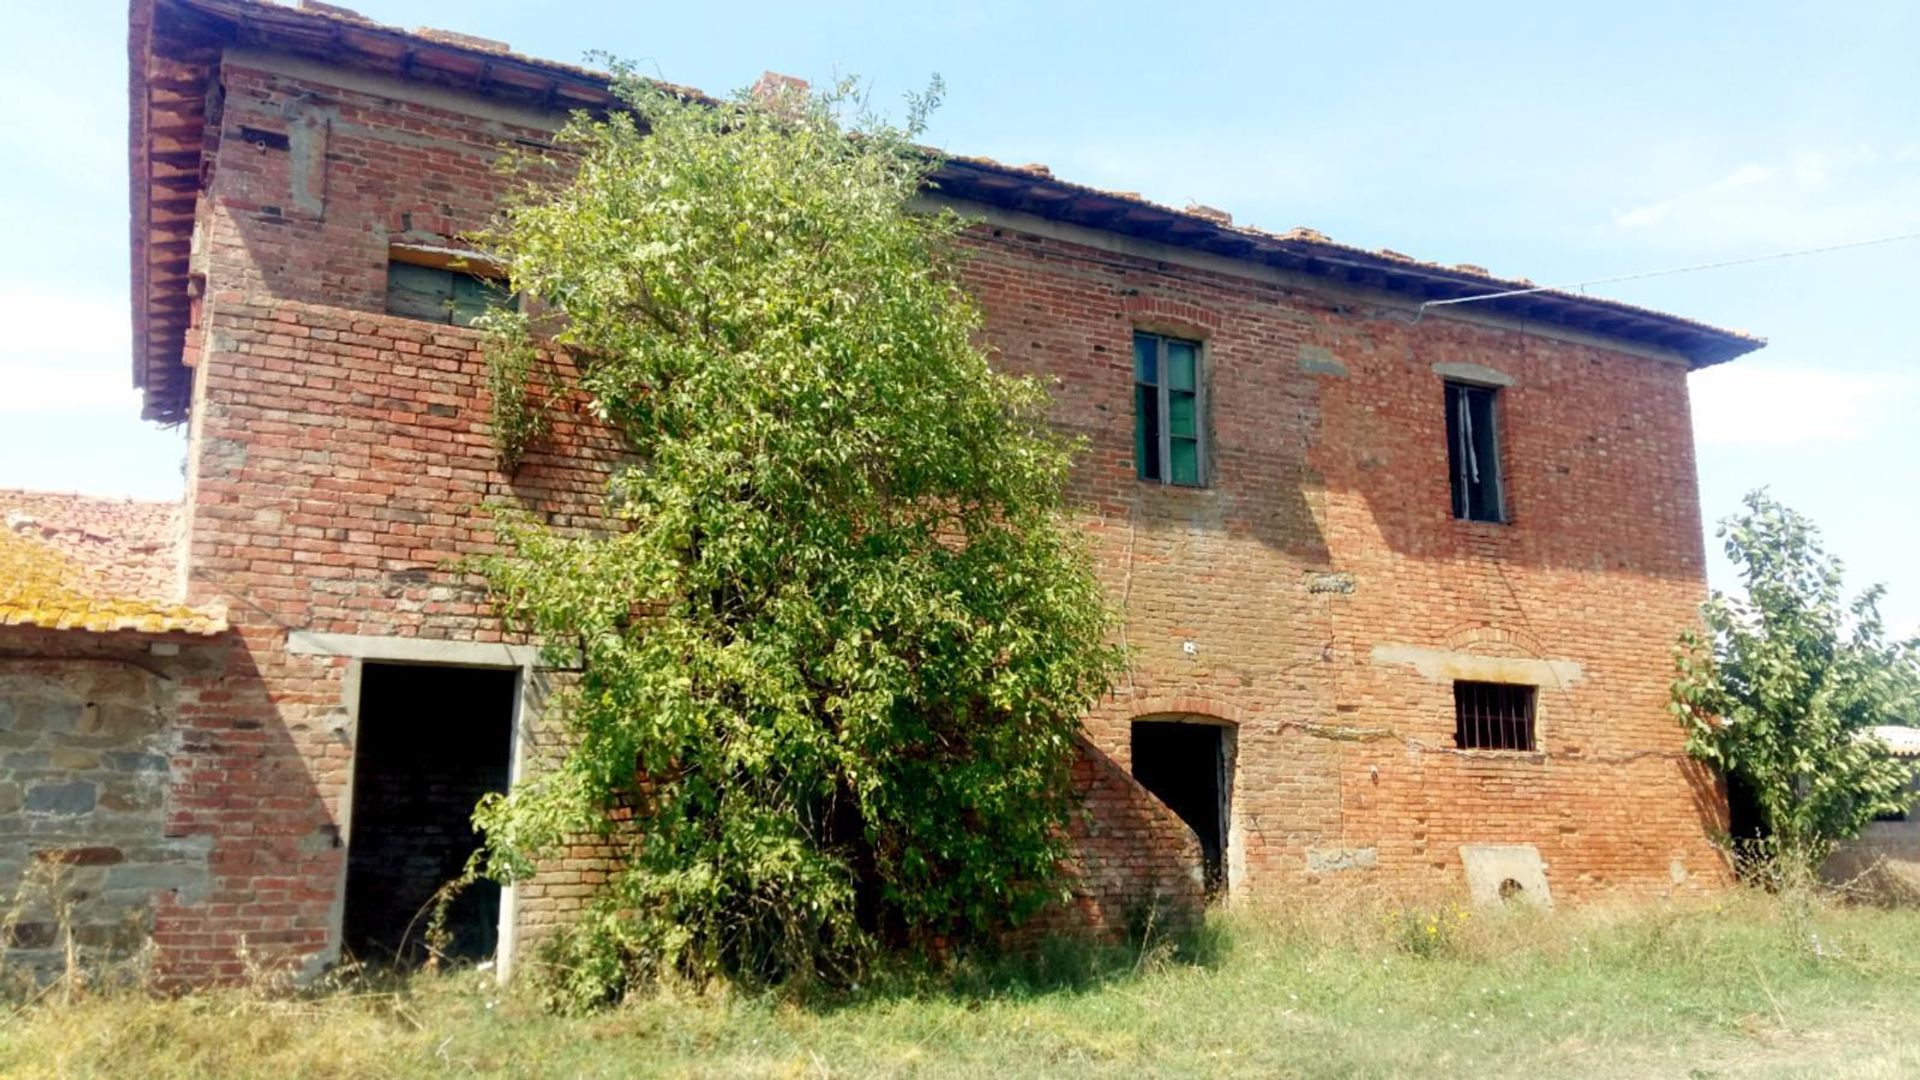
(1335, 582)
(1498, 873)
(1330, 860)
(1479, 374)
(307, 131)
(1444, 665)
(1319, 360)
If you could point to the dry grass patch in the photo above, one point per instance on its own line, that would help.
(1744, 986)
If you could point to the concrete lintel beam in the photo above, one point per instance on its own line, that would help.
(407, 650)
(1446, 666)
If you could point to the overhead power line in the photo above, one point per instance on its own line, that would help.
(1582, 285)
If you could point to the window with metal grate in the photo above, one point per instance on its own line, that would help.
(1493, 716)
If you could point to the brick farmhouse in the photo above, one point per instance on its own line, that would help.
(1400, 578)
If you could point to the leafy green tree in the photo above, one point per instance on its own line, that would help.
(834, 652)
(1780, 694)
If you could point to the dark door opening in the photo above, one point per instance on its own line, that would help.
(1746, 827)
(1185, 766)
(431, 742)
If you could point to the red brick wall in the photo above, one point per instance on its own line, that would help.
(1136, 870)
(339, 452)
(341, 459)
(1328, 471)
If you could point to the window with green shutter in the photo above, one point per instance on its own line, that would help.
(442, 295)
(1169, 413)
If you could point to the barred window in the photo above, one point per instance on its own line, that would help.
(1493, 716)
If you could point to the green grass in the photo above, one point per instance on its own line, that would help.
(1745, 986)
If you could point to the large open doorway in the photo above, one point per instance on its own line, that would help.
(1187, 766)
(431, 741)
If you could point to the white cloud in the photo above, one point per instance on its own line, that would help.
(41, 322)
(1653, 213)
(1810, 198)
(1744, 176)
(65, 351)
(46, 389)
(1641, 216)
(1752, 407)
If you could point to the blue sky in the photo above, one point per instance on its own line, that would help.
(1559, 142)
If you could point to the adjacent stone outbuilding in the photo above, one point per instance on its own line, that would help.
(1883, 862)
(97, 659)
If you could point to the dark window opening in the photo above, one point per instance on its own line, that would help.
(1185, 766)
(1493, 716)
(1473, 453)
(431, 741)
(442, 295)
(1168, 417)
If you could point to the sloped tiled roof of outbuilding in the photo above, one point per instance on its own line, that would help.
(1902, 741)
(76, 562)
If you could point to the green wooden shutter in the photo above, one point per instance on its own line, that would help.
(418, 292)
(474, 296)
(1146, 406)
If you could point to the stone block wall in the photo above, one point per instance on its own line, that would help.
(87, 736)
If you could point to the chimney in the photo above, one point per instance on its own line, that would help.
(1211, 213)
(774, 88)
(463, 41)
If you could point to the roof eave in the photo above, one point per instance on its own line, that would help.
(1031, 191)
(139, 44)
(342, 37)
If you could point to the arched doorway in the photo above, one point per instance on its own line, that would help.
(1187, 762)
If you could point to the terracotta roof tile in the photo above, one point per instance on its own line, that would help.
(1901, 740)
(75, 562)
(341, 36)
